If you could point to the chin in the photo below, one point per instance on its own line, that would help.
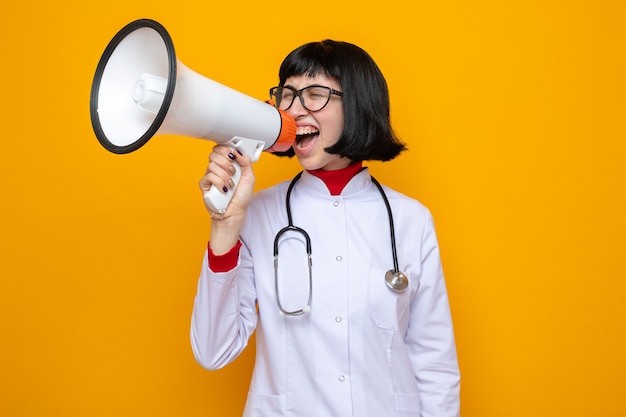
(307, 163)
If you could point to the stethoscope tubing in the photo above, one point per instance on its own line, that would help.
(290, 227)
(392, 229)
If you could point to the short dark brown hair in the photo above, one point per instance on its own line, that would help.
(367, 132)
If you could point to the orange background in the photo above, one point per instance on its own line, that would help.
(515, 115)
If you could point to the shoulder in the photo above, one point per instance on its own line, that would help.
(268, 199)
(413, 221)
(406, 206)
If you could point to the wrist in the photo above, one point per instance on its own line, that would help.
(224, 235)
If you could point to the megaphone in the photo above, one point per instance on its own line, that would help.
(141, 90)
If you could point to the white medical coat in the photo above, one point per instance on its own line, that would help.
(362, 350)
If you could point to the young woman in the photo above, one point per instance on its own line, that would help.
(340, 277)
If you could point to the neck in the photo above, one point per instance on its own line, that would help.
(337, 179)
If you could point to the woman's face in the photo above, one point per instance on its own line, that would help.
(317, 130)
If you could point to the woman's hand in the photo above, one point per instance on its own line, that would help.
(225, 229)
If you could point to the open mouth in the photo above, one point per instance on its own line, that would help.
(305, 137)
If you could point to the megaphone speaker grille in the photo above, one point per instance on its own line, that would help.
(141, 47)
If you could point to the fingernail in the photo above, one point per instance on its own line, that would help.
(232, 169)
(231, 156)
(231, 183)
(239, 152)
(225, 189)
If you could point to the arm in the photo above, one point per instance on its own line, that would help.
(430, 337)
(224, 313)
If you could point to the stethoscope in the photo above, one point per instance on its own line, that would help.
(395, 279)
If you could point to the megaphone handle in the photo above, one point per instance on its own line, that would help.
(216, 200)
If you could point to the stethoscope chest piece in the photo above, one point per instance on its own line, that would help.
(396, 281)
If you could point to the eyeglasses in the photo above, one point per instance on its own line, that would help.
(313, 98)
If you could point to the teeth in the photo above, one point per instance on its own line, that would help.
(306, 131)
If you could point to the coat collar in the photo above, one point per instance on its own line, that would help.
(315, 185)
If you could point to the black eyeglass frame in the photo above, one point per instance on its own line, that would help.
(298, 93)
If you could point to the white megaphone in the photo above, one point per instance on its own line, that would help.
(141, 90)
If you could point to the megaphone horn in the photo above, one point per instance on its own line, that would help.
(141, 90)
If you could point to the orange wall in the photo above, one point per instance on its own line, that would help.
(515, 115)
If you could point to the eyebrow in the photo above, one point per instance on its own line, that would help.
(312, 85)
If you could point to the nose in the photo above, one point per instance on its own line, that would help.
(297, 107)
